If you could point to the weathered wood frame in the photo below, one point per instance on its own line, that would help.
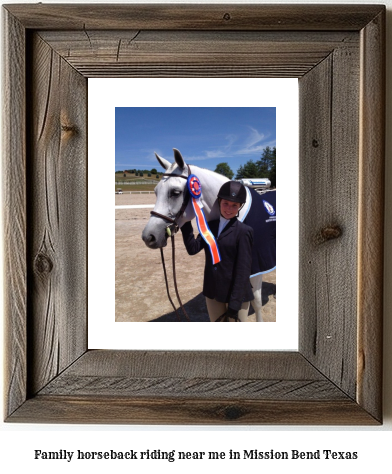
(337, 52)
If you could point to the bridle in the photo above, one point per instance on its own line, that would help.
(171, 230)
(174, 227)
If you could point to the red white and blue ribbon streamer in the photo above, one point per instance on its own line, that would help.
(194, 187)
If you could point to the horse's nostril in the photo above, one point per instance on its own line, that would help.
(148, 238)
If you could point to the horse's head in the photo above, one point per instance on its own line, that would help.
(169, 200)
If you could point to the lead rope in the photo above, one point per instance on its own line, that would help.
(167, 285)
(174, 280)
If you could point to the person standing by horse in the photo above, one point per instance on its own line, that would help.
(226, 286)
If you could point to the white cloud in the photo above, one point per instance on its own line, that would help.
(251, 143)
(231, 139)
(215, 154)
(254, 137)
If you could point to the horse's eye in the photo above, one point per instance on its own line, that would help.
(175, 193)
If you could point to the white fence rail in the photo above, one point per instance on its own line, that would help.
(135, 192)
(135, 206)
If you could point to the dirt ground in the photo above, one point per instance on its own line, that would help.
(140, 286)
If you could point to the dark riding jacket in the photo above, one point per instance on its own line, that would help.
(228, 280)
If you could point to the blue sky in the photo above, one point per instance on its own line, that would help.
(204, 136)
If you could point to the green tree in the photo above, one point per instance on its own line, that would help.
(240, 172)
(272, 176)
(248, 170)
(153, 171)
(224, 169)
(267, 165)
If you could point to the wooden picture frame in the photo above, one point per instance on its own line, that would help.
(338, 54)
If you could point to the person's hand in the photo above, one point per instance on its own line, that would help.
(232, 313)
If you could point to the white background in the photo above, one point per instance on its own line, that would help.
(17, 442)
(104, 332)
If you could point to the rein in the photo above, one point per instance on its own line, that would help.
(171, 231)
(174, 279)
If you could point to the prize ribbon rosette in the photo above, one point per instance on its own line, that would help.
(194, 187)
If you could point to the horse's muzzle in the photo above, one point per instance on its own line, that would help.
(152, 242)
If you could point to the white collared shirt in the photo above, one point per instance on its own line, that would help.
(222, 224)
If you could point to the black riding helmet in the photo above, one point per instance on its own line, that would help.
(233, 191)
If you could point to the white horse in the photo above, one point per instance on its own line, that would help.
(169, 199)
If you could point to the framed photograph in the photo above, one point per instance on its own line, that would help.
(208, 137)
(337, 53)
(153, 115)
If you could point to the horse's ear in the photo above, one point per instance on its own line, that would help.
(179, 159)
(164, 163)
